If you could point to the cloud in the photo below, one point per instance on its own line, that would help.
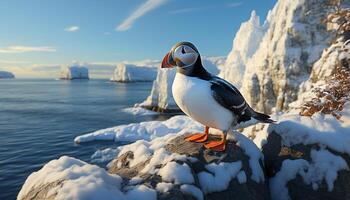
(193, 9)
(24, 49)
(236, 4)
(72, 29)
(146, 7)
(187, 10)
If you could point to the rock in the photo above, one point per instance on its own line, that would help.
(308, 182)
(197, 158)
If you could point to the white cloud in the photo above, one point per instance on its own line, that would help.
(24, 49)
(146, 7)
(184, 10)
(236, 4)
(72, 29)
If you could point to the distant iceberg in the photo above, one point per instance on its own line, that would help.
(74, 72)
(4, 74)
(132, 73)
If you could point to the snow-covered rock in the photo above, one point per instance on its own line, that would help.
(175, 167)
(74, 72)
(245, 44)
(161, 97)
(70, 178)
(5, 74)
(132, 73)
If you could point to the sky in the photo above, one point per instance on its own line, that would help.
(39, 36)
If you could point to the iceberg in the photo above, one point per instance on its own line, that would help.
(74, 72)
(5, 74)
(132, 73)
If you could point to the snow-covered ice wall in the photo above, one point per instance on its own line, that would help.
(245, 43)
(132, 73)
(74, 72)
(276, 57)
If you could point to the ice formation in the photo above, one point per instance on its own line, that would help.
(74, 72)
(5, 74)
(132, 73)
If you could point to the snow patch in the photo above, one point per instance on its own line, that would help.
(220, 176)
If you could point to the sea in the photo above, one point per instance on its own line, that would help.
(39, 119)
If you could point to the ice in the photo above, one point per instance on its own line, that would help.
(5, 74)
(132, 73)
(245, 43)
(74, 72)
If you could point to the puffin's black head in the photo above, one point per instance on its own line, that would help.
(182, 54)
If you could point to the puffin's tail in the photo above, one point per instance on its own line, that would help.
(262, 117)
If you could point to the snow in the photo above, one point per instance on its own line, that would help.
(254, 154)
(220, 176)
(192, 190)
(138, 131)
(177, 173)
(141, 192)
(5, 74)
(289, 170)
(164, 187)
(81, 180)
(161, 95)
(105, 155)
(245, 43)
(74, 72)
(241, 177)
(324, 166)
(132, 73)
(139, 111)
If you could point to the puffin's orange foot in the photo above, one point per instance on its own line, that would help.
(198, 137)
(216, 145)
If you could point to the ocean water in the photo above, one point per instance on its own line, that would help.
(39, 120)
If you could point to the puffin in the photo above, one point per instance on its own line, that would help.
(206, 98)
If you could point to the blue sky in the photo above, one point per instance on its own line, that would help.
(38, 32)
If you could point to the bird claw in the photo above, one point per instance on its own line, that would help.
(198, 137)
(216, 145)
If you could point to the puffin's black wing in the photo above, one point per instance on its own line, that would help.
(229, 97)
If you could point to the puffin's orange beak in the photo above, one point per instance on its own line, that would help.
(168, 61)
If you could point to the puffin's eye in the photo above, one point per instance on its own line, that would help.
(183, 50)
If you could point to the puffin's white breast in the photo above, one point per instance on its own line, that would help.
(194, 97)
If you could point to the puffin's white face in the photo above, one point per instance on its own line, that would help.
(184, 56)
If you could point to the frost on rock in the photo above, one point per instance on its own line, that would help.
(5, 74)
(132, 73)
(245, 43)
(74, 72)
(289, 47)
(161, 97)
